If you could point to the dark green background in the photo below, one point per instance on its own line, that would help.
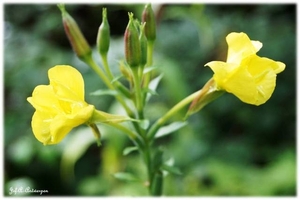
(228, 149)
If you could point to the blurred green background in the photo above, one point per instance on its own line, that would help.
(228, 149)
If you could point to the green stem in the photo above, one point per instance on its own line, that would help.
(148, 162)
(96, 132)
(89, 60)
(133, 136)
(138, 92)
(161, 121)
(106, 67)
(117, 84)
(146, 152)
(150, 45)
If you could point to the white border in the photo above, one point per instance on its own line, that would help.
(132, 1)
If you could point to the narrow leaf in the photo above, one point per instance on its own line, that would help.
(128, 150)
(116, 79)
(165, 130)
(153, 85)
(151, 92)
(149, 69)
(104, 92)
(171, 169)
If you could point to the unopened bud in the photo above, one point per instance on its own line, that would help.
(143, 43)
(132, 44)
(149, 17)
(75, 36)
(103, 37)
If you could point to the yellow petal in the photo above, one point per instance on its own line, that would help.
(257, 45)
(62, 124)
(52, 128)
(249, 77)
(258, 65)
(67, 82)
(222, 71)
(59, 106)
(241, 84)
(240, 46)
(44, 99)
(279, 68)
(41, 126)
(254, 81)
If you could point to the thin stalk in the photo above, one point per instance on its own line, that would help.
(101, 74)
(138, 93)
(150, 45)
(146, 152)
(161, 121)
(117, 84)
(106, 67)
(148, 162)
(133, 136)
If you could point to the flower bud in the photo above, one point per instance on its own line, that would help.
(75, 36)
(132, 44)
(143, 43)
(149, 17)
(103, 37)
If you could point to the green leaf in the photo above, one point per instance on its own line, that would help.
(165, 130)
(149, 69)
(125, 176)
(171, 169)
(151, 92)
(128, 150)
(153, 85)
(104, 92)
(116, 79)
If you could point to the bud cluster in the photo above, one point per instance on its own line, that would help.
(137, 36)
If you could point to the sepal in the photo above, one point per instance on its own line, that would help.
(207, 94)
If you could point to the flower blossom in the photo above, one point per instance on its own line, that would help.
(59, 106)
(246, 75)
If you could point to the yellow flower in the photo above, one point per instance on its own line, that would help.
(249, 77)
(59, 106)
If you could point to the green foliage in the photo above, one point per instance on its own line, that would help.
(227, 149)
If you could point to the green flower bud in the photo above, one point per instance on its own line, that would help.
(143, 43)
(132, 44)
(75, 36)
(149, 17)
(103, 37)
